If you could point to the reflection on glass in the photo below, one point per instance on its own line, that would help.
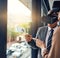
(18, 23)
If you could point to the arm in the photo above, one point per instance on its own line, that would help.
(33, 44)
(31, 41)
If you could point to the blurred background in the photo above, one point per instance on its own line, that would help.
(24, 16)
(19, 20)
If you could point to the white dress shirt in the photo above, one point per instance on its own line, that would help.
(48, 33)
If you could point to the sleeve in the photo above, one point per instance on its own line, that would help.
(38, 33)
(32, 43)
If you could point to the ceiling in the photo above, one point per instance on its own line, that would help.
(27, 3)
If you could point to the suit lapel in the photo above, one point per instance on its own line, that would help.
(46, 29)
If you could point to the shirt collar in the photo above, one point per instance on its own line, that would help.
(50, 28)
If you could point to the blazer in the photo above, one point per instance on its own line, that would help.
(41, 34)
(55, 48)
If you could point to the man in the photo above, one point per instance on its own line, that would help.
(42, 34)
(31, 41)
(55, 47)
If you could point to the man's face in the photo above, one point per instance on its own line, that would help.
(52, 25)
(52, 18)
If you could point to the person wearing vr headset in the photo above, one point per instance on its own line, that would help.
(43, 34)
(54, 51)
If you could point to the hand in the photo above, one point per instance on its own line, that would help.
(46, 56)
(44, 52)
(28, 37)
(40, 43)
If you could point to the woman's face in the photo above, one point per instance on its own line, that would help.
(59, 15)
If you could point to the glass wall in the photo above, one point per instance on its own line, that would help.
(18, 24)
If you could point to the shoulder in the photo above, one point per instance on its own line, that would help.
(58, 31)
(43, 27)
(56, 35)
